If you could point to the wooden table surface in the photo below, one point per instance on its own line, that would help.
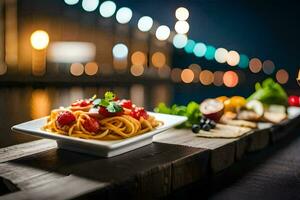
(176, 159)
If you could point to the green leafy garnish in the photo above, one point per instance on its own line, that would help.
(269, 92)
(113, 107)
(191, 111)
(108, 102)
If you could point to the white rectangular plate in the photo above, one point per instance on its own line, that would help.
(97, 147)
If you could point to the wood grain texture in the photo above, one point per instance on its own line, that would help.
(145, 172)
(64, 188)
(26, 149)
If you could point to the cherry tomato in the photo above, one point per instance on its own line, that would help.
(91, 125)
(294, 101)
(104, 112)
(126, 103)
(139, 112)
(65, 118)
(82, 103)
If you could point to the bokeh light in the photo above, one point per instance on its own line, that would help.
(145, 23)
(162, 32)
(39, 39)
(268, 67)
(124, 15)
(76, 69)
(196, 69)
(187, 75)
(182, 27)
(90, 5)
(138, 58)
(180, 40)
(233, 58)
(158, 59)
(244, 61)
(164, 72)
(182, 13)
(218, 78)
(91, 68)
(221, 55)
(255, 65)
(120, 65)
(282, 76)
(176, 75)
(107, 9)
(189, 47)
(230, 79)
(206, 77)
(210, 52)
(71, 2)
(200, 49)
(40, 104)
(137, 70)
(120, 51)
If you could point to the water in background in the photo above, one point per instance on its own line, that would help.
(20, 104)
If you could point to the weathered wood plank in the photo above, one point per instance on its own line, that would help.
(63, 188)
(26, 149)
(222, 150)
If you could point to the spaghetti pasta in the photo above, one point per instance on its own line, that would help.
(80, 120)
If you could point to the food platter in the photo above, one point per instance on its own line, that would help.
(97, 147)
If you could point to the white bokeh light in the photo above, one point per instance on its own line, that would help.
(221, 55)
(107, 9)
(182, 13)
(120, 51)
(90, 5)
(145, 23)
(182, 27)
(71, 2)
(180, 40)
(162, 32)
(233, 58)
(124, 15)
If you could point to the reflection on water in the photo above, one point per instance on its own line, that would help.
(20, 104)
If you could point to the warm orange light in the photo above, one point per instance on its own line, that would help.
(206, 77)
(137, 70)
(233, 58)
(176, 75)
(40, 104)
(255, 65)
(230, 79)
(282, 76)
(187, 76)
(218, 78)
(158, 59)
(138, 58)
(77, 69)
(39, 39)
(91, 68)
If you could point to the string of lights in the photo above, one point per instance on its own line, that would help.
(180, 40)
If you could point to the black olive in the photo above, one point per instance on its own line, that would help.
(196, 128)
(213, 124)
(202, 121)
(206, 127)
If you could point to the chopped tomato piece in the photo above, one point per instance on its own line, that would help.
(91, 125)
(65, 118)
(139, 112)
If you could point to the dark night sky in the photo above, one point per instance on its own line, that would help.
(266, 29)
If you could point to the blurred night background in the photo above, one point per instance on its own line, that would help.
(53, 52)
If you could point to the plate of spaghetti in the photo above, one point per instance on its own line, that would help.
(106, 126)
